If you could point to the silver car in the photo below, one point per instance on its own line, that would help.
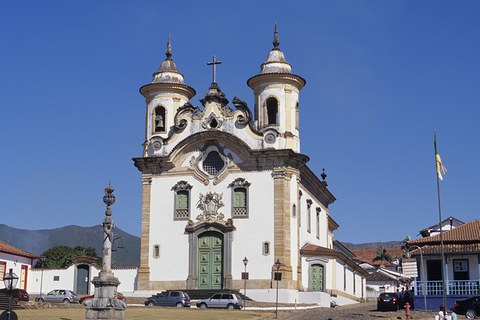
(228, 301)
(59, 295)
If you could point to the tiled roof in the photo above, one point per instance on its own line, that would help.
(448, 249)
(463, 239)
(448, 221)
(468, 232)
(313, 250)
(367, 255)
(7, 248)
(379, 276)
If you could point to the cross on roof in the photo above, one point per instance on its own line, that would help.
(214, 63)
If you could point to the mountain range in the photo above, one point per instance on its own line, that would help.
(126, 247)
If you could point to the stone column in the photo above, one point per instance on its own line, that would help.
(105, 305)
(143, 281)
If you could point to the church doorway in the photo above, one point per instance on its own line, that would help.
(316, 277)
(83, 273)
(210, 260)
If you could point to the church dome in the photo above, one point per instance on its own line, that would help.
(168, 72)
(276, 62)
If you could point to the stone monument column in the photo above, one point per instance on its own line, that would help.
(105, 304)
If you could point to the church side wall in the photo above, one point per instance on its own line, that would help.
(253, 232)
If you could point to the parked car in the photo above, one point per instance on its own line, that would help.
(228, 301)
(18, 294)
(118, 296)
(469, 307)
(388, 301)
(177, 299)
(59, 295)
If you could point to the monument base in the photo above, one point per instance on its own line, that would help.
(104, 305)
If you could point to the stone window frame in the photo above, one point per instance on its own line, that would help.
(318, 210)
(267, 111)
(309, 215)
(156, 251)
(180, 188)
(240, 183)
(266, 248)
(300, 194)
(204, 155)
(154, 114)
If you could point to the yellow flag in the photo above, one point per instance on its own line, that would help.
(441, 170)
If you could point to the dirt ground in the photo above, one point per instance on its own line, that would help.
(360, 311)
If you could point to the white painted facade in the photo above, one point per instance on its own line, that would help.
(19, 261)
(46, 280)
(222, 182)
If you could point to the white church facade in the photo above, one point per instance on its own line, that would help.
(223, 182)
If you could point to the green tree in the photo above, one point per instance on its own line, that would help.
(62, 256)
(382, 256)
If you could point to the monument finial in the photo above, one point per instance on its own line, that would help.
(276, 41)
(168, 52)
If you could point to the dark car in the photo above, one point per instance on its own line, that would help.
(228, 301)
(469, 307)
(177, 299)
(388, 301)
(18, 294)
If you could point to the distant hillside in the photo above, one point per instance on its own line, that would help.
(38, 241)
(373, 245)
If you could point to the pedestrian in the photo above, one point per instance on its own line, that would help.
(441, 313)
(453, 315)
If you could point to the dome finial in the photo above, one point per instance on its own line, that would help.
(276, 42)
(168, 52)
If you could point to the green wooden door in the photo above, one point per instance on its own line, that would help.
(210, 260)
(316, 280)
(82, 279)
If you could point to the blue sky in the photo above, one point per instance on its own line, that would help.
(381, 76)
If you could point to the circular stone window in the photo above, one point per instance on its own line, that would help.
(270, 138)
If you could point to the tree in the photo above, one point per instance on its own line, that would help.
(382, 256)
(62, 256)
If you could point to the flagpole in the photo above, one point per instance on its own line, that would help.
(442, 249)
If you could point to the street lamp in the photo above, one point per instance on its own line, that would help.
(278, 277)
(245, 277)
(10, 282)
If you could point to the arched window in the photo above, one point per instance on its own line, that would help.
(182, 200)
(156, 251)
(318, 223)
(309, 215)
(272, 111)
(239, 198)
(266, 248)
(159, 120)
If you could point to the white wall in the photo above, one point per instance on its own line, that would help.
(15, 263)
(46, 279)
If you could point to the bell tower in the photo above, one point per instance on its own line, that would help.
(164, 96)
(276, 90)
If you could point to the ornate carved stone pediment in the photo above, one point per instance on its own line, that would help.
(209, 204)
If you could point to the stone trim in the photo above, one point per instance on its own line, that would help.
(144, 269)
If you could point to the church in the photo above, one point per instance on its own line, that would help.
(222, 182)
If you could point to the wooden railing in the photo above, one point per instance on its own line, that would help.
(454, 287)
